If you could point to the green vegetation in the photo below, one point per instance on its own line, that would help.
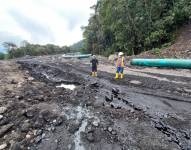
(2, 56)
(133, 26)
(77, 47)
(33, 49)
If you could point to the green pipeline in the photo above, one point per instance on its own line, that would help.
(163, 63)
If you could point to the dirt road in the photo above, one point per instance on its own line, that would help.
(149, 109)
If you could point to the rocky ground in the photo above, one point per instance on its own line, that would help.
(49, 103)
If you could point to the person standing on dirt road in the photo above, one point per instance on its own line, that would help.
(120, 64)
(94, 63)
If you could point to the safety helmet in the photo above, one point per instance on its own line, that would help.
(93, 56)
(120, 54)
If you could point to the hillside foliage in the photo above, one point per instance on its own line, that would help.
(133, 26)
(77, 47)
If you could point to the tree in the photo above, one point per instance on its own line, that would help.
(35, 50)
(11, 48)
(2, 56)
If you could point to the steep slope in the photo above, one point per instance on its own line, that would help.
(180, 49)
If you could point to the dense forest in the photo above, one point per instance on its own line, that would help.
(133, 26)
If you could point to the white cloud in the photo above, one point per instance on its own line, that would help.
(45, 21)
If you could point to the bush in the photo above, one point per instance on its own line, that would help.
(156, 51)
(36, 50)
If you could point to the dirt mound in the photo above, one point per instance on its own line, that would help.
(180, 49)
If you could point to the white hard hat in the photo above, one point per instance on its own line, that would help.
(120, 53)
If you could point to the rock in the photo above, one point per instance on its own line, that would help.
(48, 129)
(58, 121)
(13, 82)
(40, 98)
(25, 127)
(16, 146)
(138, 108)
(47, 115)
(94, 85)
(53, 128)
(43, 135)
(19, 85)
(159, 125)
(5, 129)
(4, 121)
(3, 146)
(38, 123)
(90, 137)
(115, 106)
(105, 129)
(89, 129)
(113, 132)
(38, 139)
(19, 97)
(3, 110)
(29, 113)
(30, 78)
(115, 91)
(107, 99)
(28, 136)
(73, 127)
(110, 129)
(95, 123)
(1, 117)
(38, 132)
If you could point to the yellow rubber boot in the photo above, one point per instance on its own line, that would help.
(95, 74)
(117, 76)
(122, 76)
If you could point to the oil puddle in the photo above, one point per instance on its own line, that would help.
(67, 86)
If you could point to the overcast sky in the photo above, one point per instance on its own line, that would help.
(44, 21)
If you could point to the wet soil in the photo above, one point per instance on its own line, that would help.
(138, 112)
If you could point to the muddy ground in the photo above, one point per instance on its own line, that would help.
(149, 109)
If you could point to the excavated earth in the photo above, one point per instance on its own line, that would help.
(49, 103)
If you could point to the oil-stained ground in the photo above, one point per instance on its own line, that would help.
(49, 103)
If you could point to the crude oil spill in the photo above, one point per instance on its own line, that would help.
(70, 86)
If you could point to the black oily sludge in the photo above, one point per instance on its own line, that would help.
(48, 73)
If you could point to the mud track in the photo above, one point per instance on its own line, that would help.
(139, 112)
